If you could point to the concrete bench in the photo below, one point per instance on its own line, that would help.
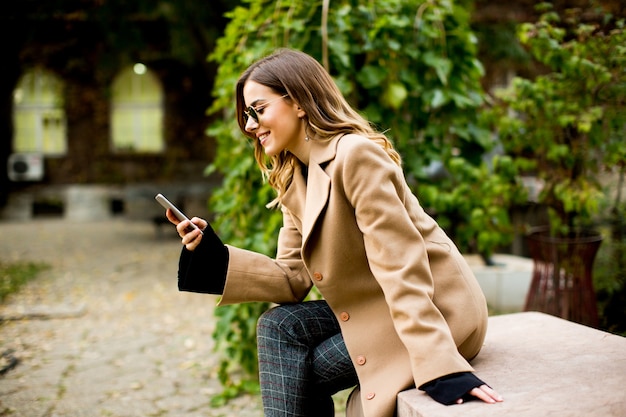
(542, 366)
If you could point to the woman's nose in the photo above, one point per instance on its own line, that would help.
(251, 125)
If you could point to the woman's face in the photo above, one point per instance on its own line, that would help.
(280, 126)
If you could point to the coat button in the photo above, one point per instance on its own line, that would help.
(344, 316)
(317, 276)
(361, 360)
(370, 395)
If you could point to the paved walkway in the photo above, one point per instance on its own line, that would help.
(109, 335)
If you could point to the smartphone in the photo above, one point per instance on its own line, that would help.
(179, 214)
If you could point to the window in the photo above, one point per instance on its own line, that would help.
(137, 111)
(38, 114)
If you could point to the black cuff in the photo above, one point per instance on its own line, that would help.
(448, 389)
(204, 269)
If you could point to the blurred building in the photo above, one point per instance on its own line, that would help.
(103, 103)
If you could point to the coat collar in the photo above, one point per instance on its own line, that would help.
(306, 198)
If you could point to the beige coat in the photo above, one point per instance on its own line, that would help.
(409, 306)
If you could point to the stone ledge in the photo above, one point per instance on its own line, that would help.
(542, 366)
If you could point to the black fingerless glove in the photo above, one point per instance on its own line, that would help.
(448, 389)
(204, 269)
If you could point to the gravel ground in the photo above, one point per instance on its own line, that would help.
(104, 331)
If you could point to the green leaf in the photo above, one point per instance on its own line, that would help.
(441, 65)
(438, 99)
(395, 95)
(371, 76)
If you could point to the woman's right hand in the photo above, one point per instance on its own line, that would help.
(190, 236)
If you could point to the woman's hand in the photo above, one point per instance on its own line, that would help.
(484, 393)
(191, 236)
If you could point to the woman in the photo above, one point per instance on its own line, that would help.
(401, 307)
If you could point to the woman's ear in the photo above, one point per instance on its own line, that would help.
(300, 112)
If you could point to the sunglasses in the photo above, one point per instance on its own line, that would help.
(251, 112)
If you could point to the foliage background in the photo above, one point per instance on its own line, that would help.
(566, 126)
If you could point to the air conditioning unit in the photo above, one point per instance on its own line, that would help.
(25, 167)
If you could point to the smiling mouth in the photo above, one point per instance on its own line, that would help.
(262, 137)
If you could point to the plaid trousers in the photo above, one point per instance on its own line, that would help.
(303, 360)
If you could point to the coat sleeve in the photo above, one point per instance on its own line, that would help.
(398, 257)
(448, 389)
(204, 270)
(252, 276)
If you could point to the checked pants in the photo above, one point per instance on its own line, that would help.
(303, 360)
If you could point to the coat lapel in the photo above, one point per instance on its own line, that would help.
(306, 199)
(318, 187)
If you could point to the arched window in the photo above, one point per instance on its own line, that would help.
(137, 111)
(38, 114)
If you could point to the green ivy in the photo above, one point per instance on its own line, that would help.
(411, 68)
(567, 125)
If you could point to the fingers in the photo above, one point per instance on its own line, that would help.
(191, 236)
(186, 226)
(201, 223)
(191, 239)
(170, 216)
(486, 394)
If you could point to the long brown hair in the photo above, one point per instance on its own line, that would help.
(328, 114)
